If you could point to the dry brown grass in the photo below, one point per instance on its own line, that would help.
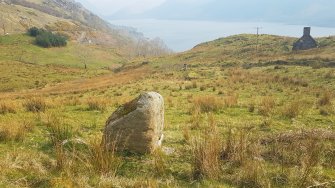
(103, 160)
(231, 101)
(266, 105)
(7, 108)
(186, 134)
(160, 162)
(292, 109)
(72, 101)
(97, 104)
(86, 84)
(206, 152)
(252, 174)
(245, 156)
(35, 105)
(208, 103)
(325, 99)
(196, 117)
(18, 161)
(58, 132)
(14, 131)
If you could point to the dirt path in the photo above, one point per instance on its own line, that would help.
(82, 85)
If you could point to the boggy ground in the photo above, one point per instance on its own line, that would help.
(269, 126)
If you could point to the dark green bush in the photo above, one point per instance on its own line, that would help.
(34, 31)
(47, 39)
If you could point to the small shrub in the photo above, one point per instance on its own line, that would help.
(35, 105)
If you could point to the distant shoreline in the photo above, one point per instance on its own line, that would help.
(182, 35)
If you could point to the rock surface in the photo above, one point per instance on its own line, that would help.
(137, 126)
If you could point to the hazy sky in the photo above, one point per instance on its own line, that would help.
(316, 12)
(109, 7)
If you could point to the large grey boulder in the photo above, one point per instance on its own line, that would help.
(137, 126)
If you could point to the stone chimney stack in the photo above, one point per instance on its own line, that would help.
(305, 42)
(307, 31)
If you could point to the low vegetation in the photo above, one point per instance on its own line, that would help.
(46, 38)
(226, 125)
(35, 105)
(7, 108)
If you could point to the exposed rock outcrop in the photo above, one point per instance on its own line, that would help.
(137, 126)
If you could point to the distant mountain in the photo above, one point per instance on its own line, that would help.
(74, 20)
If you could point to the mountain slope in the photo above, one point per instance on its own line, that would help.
(72, 19)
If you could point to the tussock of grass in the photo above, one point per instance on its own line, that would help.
(207, 103)
(72, 101)
(293, 109)
(206, 151)
(97, 104)
(35, 105)
(160, 162)
(266, 105)
(325, 99)
(104, 160)
(58, 131)
(7, 108)
(231, 101)
(14, 131)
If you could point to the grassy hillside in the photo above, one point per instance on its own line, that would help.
(24, 65)
(75, 21)
(226, 124)
(243, 49)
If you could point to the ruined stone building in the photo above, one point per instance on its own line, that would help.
(305, 42)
